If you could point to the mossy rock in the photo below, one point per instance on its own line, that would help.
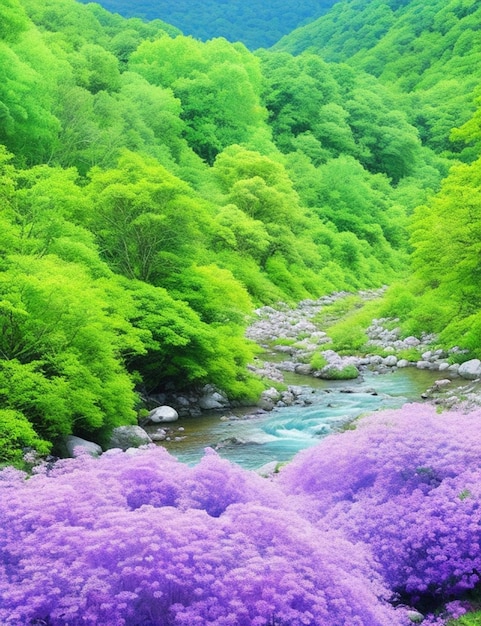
(334, 373)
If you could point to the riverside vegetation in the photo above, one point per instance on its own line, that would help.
(155, 190)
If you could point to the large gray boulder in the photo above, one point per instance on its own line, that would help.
(125, 437)
(470, 369)
(268, 399)
(390, 361)
(162, 414)
(72, 445)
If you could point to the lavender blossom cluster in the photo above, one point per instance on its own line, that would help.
(353, 532)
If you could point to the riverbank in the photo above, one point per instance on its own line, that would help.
(303, 403)
(292, 340)
(297, 351)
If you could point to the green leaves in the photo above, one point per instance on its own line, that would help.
(60, 345)
(182, 347)
(163, 187)
(13, 20)
(217, 83)
(16, 435)
(137, 218)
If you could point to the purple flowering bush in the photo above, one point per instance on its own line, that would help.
(351, 533)
(144, 539)
(408, 484)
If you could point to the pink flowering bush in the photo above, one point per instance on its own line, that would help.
(144, 540)
(408, 484)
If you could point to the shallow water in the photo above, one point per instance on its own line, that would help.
(280, 434)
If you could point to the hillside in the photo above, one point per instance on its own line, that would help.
(430, 58)
(157, 189)
(431, 54)
(256, 24)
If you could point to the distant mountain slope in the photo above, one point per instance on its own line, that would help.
(430, 52)
(355, 28)
(258, 24)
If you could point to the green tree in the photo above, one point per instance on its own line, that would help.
(17, 437)
(217, 83)
(446, 236)
(234, 229)
(181, 348)
(142, 218)
(61, 337)
(13, 20)
(95, 69)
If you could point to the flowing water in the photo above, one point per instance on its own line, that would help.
(280, 434)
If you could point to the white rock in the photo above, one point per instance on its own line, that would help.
(159, 435)
(470, 369)
(423, 365)
(442, 383)
(163, 414)
(271, 393)
(415, 617)
(125, 437)
(268, 469)
(390, 361)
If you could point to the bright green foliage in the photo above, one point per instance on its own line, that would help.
(470, 132)
(398, 300)
(214, 293)
(16, 433)
(181, 348)
(60, 342)
(346, 373)
(237, 230)
(318, 361)
(13, 20)
(360, 203)
(151, 117)
(154, 189)
(446, 236)
(217, 83)
(429, 51)
(348, 338)
(142, 217)
(410, 354)
(470, 619)
(349, 334)
(96, 69)
(315, 110)
(27, 126)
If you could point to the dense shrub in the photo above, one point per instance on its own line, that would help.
(407, 483)
(147, 540)
(387, 514)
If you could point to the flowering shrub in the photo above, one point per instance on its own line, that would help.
(408, 484)
(385, 514)
(138, 540)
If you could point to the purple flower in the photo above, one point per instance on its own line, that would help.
(210, 545)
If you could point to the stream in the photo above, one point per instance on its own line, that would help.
(252, 441)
